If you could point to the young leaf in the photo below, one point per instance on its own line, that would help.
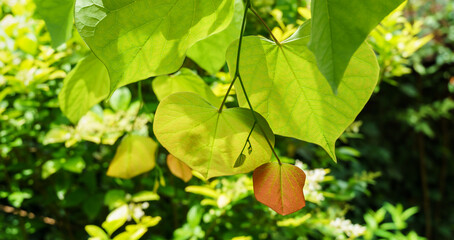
(85, 86)
(239, 161)
(137, 39)
(285, 85)
(280, 187)
(339, 27)
(193, 130)
(209, 53)
(58, 15)
(179, 168)
(183, 81)
(134, 156)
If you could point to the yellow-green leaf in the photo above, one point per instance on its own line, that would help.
(285, 86)
(134, 156)
(137, 39)
(207, 140)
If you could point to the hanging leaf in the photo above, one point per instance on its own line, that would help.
(193, 130)
(58, 15)
(137, 39)
(240, 160)
(209, 53)
(179, 168)
(286, 87)
(184, 81)
(134, 156)
(85, 86)
(280, 187)
(339, 27)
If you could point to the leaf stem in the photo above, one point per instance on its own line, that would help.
(266, 26)
(237, 71)
(256, 120)
(248, 136)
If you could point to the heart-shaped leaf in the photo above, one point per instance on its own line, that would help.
(137, 39)
(286, 87)
(280, 187)
(58, 15)
(86, 85)
(179, 168)
(184, 81)
(207, 140)
(135, 155)
(209, 53)
(339, 27)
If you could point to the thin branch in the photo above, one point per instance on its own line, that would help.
(237, 70)
(255, 119)
(266, 26)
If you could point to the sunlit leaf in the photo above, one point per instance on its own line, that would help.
(85, 86)
(286, 87)
(179, 168)
(209, 53)
(96, 232)
(135, 155)
(184, 81)
(75, 164)
(280, 187)
(58, 15)
(137, 39)
(339, 27)
(145, 196)
(194, 131)
(120, 99)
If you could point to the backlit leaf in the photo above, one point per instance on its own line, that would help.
(280, 187)
(183, 81)
(193, 130)
(58, 15)
(85, 86)
(209, 53)
(135, 155)
(286, 87)
(339, 27)
(179, 168)
(137, 39)
(120, 99)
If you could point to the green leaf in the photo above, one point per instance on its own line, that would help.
(75, 164)
(285, 86)
(209, 53)
(115, 198)
(95, 231)
(50, 167)
(120, 99)
(113, 225)
(137, 39)
(149, 221)
(184, 81)
(145, 196)
(85, 86)
(58, 15)
(134, 156)
(339, 27)
(280, 187)
(193, 130)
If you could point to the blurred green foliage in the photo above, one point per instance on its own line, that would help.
(53, 182)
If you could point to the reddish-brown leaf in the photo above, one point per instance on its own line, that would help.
(179, 168)
(280, 187)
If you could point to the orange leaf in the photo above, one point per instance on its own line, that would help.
(280, 187)
(179, 168)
